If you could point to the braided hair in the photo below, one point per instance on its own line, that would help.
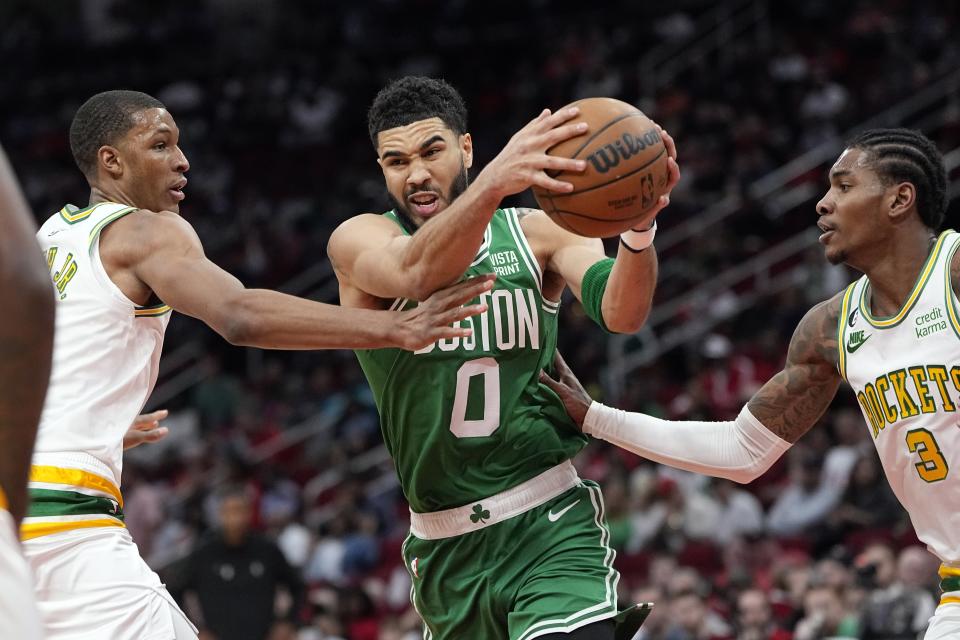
(906, 155)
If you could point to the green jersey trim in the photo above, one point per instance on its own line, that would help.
(95, 232)
(842, 330)
(72, 215)
(892, 321)
(526, 252)
(951, 298)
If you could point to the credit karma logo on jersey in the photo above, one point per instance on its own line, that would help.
(511, 321)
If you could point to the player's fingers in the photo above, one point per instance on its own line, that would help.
(550, 382)
(156, 434)
(668, 142)
(455, 315)
(465, 291)
(554, 163)
(145, 426)
(153, 416)
(544, 181)
(559, 134)
(556, 119)
(673, 174)
(446, 333)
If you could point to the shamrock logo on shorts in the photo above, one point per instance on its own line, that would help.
(479, 514)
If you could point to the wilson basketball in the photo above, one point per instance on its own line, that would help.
(625, 176)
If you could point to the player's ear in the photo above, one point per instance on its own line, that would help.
(466, 146)
(108, 157)
(902, 198)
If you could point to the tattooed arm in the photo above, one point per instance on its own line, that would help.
(792, 401)
(743, 449)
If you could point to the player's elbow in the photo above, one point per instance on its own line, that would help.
(624, 323)
(240, 328)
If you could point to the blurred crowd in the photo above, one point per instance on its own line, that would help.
(270, 99)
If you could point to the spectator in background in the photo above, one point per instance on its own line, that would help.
(825, 616)
(893, 610)
(805, 501)
(235, 575)
(740, 515)
(755, 618)
(867, 505)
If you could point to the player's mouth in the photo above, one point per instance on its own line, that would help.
(177, 190)
(424, 203)
(828, 232)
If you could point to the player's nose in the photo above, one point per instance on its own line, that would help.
(825, 206)
(182, 164)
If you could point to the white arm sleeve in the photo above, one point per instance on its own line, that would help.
(740, 450)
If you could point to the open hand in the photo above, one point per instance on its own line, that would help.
(575, 398)
(146, 428)
(434, 318)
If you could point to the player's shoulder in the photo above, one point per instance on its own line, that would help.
(151, 230)
(360, 232)
(817, 335)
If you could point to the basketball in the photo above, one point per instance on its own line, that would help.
(625, 176)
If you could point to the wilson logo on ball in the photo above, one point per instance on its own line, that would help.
(628, 145)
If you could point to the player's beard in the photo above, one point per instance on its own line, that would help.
(459, 185)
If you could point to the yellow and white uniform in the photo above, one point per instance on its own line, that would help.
(18, 610)
(90, 579)
(905, 371)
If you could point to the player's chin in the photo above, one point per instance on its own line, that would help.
(835, 255)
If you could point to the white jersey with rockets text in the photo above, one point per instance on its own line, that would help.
(905, 371)
(105, 360)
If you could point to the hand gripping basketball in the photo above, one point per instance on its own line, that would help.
(524, 161)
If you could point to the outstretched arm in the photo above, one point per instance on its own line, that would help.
(26, 339)
(784, 409)
(165, 254)
(374, 256)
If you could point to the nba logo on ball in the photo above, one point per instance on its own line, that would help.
(626, 172)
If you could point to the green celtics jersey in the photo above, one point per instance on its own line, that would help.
(467, 418)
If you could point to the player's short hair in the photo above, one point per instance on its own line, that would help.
(103, 119)
(413, 98)
(905, 155)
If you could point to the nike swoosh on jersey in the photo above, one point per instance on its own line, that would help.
(853, 347)
(553, 517)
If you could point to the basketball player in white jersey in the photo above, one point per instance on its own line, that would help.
(119, 266)
(893, 335)
(26, 342)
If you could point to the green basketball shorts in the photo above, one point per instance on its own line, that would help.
(548, 569)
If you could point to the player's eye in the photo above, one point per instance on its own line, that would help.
(431, 152)
(844, 187)
(160, 146)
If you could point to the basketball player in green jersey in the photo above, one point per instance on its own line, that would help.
(506, 541)
(893, 335)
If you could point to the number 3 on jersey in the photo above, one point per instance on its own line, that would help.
(489, 369)
(932, 466)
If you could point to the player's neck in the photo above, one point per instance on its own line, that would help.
(99, 194)
(893, 277)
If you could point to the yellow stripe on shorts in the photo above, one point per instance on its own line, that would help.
(76, 478)
(3, 501)
(30, 530)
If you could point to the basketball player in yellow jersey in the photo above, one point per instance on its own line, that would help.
(893, 335)
(26, 342)
(119, 265)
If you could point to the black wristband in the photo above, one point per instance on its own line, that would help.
(631, 249)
